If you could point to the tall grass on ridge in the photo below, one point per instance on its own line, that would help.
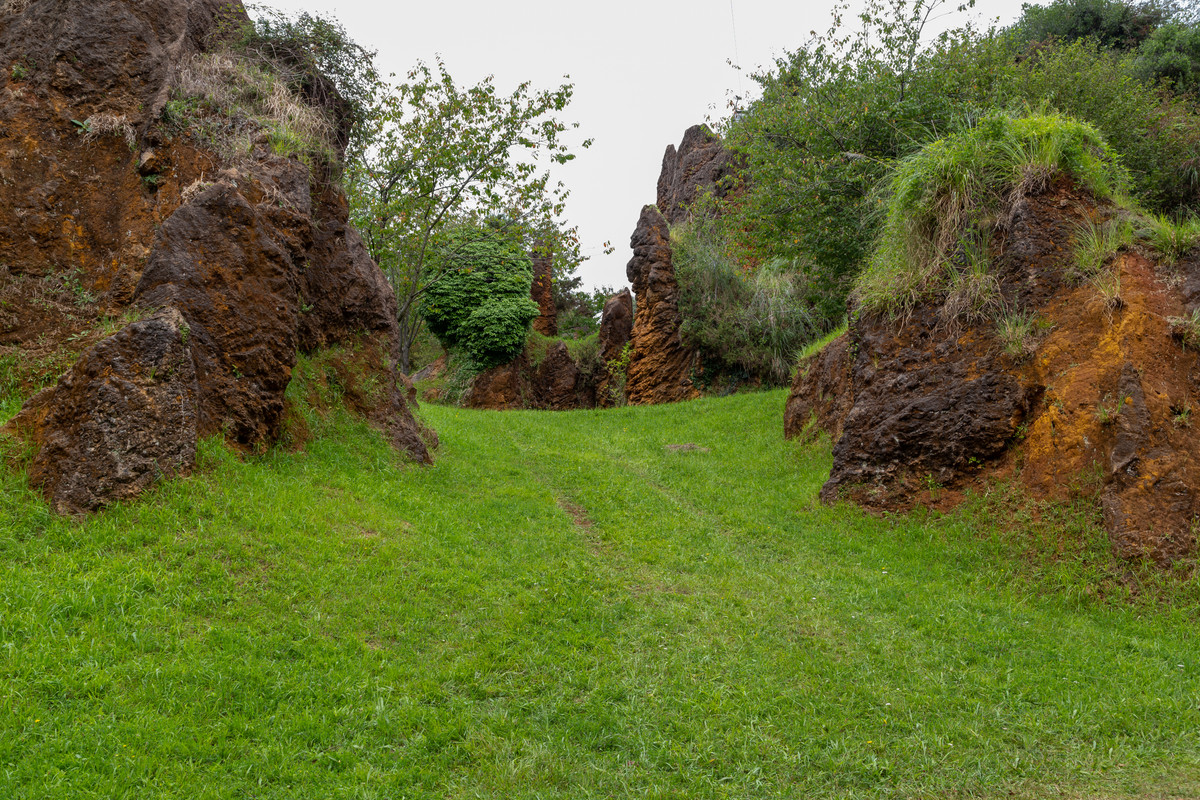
(946, 201)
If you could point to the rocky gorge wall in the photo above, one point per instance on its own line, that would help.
(1096, 403)
(162, 290)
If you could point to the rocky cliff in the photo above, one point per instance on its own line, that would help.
(160, 287)
(661, 367)
(1095, 399)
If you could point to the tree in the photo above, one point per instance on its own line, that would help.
(479, 304)
(833, 116)
(442, 155)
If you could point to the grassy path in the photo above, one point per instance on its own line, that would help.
(567, 607)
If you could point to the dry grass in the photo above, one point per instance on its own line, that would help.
(13, 6)
(244, 89)
(193, 189)
(98, 125)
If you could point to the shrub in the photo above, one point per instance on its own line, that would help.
(316, 59)
(946, 200)
(1172, 54)
(478, 302)
(747, 324)
(1113, 23)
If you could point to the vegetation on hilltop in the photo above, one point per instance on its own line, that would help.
(946, 201)
(838, 114)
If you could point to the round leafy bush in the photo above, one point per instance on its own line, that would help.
(479, 302)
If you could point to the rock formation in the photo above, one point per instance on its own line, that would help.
(542, 292)
(553, 382)
(176, 286)
(700, 164)
(1101, 404)
(616, 325)
(660, 366)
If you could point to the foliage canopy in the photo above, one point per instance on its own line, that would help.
(479, 302)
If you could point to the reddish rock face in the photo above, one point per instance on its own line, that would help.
(660, 367)
(1101, 407)
(243, 273)
(124, 417)
(820, 396)
(110, 55)
(217, 263)
(616, 325)
(700, 164)
(542, 292)
(556, 383)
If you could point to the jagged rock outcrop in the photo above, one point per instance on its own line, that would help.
(220, 272)
(542, 292)
(1101, 406)
(122, 418)
(660, 366)
(554, 382)
(616, 325)
(700, 164)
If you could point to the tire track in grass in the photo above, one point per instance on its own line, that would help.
(646, 499)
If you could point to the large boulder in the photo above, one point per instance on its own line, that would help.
(233, 268)
(1097, 402)
(122, 418)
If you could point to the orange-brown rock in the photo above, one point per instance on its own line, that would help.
(700, 164)
(1103, 401)
(542, 292)
(820, 396)
(243, 264)
(555, 382)
(660, 366)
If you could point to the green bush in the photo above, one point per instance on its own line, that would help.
(1172, 53)
(1112, 23)
(837, 114)
(478, 302)
(747, 325)
(946, 200)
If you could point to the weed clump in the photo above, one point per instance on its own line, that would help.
(948, 199)
(256, 100)
(1172, 239)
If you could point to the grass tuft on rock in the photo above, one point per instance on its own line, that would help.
(946, 201)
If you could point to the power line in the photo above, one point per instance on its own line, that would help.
(737, 60)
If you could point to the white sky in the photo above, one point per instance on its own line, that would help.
(643, 73)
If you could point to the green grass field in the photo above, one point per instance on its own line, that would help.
(564, 607)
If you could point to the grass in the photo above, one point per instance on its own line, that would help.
(1172, 240)
(946, 200)
(1187, 329)
(1095, 245)
(584, 351)
(814, 347)
(1018, 334)
(224, 100)
(563, 607)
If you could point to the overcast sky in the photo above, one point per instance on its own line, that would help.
(643, 72)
